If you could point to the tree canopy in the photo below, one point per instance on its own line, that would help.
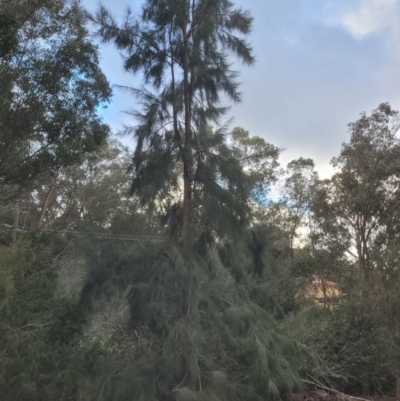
(182, 49)
(51, 87)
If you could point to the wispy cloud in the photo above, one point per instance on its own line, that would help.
(371, 16)
(319, 64)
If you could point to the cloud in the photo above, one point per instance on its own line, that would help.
(371, 16)
(319, 64)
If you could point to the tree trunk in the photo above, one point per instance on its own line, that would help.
(16, 222)
(47, 201)
(187, 151)
(362, 262)
(187, 201)
(397, 344)
(291, 245)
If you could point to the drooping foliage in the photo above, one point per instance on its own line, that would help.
(194, 293)
(182, 49)
(208, 338)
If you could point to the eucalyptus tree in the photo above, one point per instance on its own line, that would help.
(361, 201)
(298, 189)
(89, 193)
(358, 215)
(50, 89)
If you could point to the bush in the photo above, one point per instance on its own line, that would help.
(41, 349)
(350, 350)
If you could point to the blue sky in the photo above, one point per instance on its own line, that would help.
(319, 64)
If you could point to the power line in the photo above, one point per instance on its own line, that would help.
(123, 237)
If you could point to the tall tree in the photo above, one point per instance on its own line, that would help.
(183, 49)
(363, 196)
(358, 214)
(209, 338)
(298, 189)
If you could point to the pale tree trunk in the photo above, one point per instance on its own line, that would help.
(16, 222)
(292, 236)
(362, 256)
(46, 201)
(291, 240)
(324, 292)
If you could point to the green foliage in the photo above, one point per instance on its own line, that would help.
(183, 48)
(26, 264)
(360, 200)
(41, 352)
(8, 36)
(207, 337)
(67, 322)
(90, 193)
(50, 89)
(193, 286)
(351, 350)
(356, 218)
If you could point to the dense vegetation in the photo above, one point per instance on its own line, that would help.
(166, 273)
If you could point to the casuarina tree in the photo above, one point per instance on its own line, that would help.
(183, 49)
(192, 297)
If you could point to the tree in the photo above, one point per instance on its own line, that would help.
(44, 355)
(298, 190)
(357, 214)
(363, 196)
(182, 48)
(90, 192)
(50, 89)
(191, 296)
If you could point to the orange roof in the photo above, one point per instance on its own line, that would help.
(318, 280)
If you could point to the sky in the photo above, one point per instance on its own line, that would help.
(319, 64)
